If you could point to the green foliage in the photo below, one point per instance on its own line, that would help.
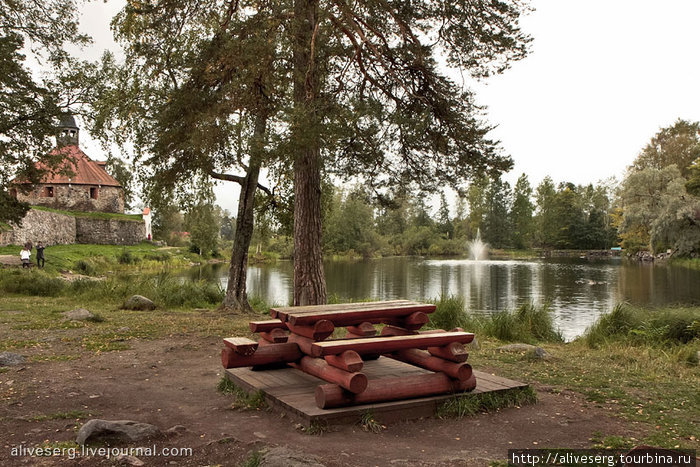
(253, 460)
(527, 324)
(451, 312)
(85, 266)
(125, 257)
(521, 214)
(244, 400)
(32, 32)
(32, 282)
(466, 405)
(368, 423)
(659, 198)
(678, 144)
(646, 327)
(203, 224)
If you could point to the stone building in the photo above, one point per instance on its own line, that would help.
(80, 184)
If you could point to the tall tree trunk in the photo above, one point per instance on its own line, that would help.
(236, 297)
(309, 279)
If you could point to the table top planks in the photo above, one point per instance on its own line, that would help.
(389, 344)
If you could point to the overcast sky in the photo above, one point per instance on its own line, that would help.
(602, 78)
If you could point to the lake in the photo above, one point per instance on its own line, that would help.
(577, 290)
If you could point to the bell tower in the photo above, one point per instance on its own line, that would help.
(68, 132)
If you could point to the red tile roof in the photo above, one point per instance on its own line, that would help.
(85, 170)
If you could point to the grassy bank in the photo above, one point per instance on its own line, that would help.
(93, 260)
(638, 364)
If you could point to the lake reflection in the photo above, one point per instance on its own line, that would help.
(578, 291)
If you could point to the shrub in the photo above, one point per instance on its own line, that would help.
(648, 327)
(527, 324)
(84, 266)
(451, 313)
(32, 282)
(125, 257)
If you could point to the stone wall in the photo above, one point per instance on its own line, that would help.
(53, 228)
(41, 226)
(76, 197)
(109, 231)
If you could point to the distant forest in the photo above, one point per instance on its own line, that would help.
(655, 207)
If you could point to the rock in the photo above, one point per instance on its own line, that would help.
(517, 348)
(284, 457)
(11, 359)
(124, 329)
(79, 314)
(124, 429)
(125, 459)
(540, 353)
(138, 302)
(474, 345)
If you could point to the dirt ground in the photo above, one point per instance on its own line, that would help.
(173, 382)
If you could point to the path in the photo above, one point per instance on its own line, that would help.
(172, 382)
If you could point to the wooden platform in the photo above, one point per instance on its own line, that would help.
(292, 392)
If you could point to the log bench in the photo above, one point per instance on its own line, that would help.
(299, 337)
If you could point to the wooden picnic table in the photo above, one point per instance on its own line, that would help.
(299, 336)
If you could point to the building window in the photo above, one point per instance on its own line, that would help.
(48, 192)
(93, 193)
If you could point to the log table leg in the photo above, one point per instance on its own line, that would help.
(420, 358)
(348, 361)
(329, 396)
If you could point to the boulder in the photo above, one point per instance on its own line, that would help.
(79, 314)
(282, 456)
(11, 359)
(138, 302)
(126, 430)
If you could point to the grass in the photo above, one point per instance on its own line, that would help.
(460, 406)
(528, 323)
(93, 215)
(253, 460)
(368, 423)
(163, 288)
(94, 260)
(243, 399)
(667, 327)
(638, 364)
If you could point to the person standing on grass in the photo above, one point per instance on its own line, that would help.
(40, 261)
(25, 255)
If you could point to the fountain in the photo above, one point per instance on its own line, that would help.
(478, 250)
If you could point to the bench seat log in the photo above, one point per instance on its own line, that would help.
(265, 355)
(277, 335)
(266, 325)
(241, 345)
